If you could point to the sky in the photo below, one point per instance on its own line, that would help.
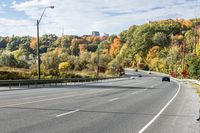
(81, 17)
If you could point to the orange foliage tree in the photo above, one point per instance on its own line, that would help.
(115, 47)
(82, 48)
(33, 43)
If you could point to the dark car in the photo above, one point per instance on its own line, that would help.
(166, 78)
(139, 75)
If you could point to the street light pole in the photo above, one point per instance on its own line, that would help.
(98, 62)
(38, 40)
(118, 62)
(38, 49)
(183, 59)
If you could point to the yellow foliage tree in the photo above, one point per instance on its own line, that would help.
(64, 66)
(152, 53)
(184, 22)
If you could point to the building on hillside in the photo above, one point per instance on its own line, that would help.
(95, 33)
(106, 35)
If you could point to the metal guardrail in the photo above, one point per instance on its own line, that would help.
(43, 82)
(192, 81)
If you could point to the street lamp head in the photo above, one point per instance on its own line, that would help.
(51, 7)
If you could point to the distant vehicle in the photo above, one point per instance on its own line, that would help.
(132, 77)
(122, 71)
(139, 75)
(166, 78)
(136, 70)
(149, 72)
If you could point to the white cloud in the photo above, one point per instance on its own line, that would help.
(4, 5)
(17, 27)
(111, 16)
(14, 2)
(8, 22)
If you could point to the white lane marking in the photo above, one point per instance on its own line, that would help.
(48, 95)
(155, 85)
(140, 82)
(50, 99)
(134, 92)
(145, 89)
(33, 97)
(67, 113)
(161, 111)
(44, 92)
(114, 99)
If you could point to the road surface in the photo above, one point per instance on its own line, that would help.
(114, 106)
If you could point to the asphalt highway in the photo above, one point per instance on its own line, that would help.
(113, 106)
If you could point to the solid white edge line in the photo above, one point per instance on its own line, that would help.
(67, 113)
(161, 111)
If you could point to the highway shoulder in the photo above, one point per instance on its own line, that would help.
(180, 116)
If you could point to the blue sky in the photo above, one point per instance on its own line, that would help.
(80, 17)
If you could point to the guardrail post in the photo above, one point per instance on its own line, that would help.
(10, 86)
(35, 84)
(19, 85)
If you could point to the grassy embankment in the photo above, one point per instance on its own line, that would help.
(197, 87)
(7, 73)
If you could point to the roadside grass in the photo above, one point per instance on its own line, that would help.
(14, 73)
(13, 69)
(197, 87)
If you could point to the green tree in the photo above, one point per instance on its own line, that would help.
(47, 41)
(194, 68)
(3, 43)
(50, 62)
(123, 36)
(8, 59)
(13, 44)
(161, 39)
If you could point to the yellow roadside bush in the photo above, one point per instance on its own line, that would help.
(64, 66)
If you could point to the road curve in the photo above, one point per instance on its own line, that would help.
(114, 106)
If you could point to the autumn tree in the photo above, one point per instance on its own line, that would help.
(115, 47)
